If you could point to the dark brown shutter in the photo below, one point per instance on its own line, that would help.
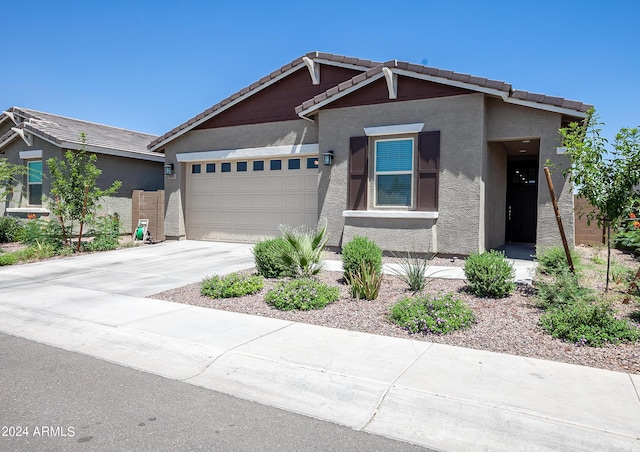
(428, 170)
(358, 172)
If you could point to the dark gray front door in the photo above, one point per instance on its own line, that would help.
(522, 201)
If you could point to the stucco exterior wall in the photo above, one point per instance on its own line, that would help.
(495, 176)
(458, 228)
(246, 136)
(133, 173)
(505, 122)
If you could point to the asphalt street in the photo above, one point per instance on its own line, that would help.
(52, 399)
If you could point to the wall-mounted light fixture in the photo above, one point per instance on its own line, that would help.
(327, 158)
(168, 169)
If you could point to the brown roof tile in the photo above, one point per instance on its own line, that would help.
(61, 129)
(373, 68)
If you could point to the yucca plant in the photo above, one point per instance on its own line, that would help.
(304, 255)
(366, 282)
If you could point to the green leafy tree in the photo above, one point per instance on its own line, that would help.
(605, 177)
(8, 176)
(76, 197)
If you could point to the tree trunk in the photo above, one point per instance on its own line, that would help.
(84, 212)
(608, 223)
(61, 219)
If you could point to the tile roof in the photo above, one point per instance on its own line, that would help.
(455, 77)
(373, 69)
(66, 131)
(338, 59)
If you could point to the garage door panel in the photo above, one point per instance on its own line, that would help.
(248, 207)
(258, 200)
(275, 201)
(275, 183)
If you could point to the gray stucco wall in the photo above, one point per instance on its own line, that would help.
(133, 173)
(506, 121)
(458, 228)
(495, 175)
(247, 136)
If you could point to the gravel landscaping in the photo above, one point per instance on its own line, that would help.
(507, 325)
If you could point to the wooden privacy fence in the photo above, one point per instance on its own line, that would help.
(149, 205)
(586, 234)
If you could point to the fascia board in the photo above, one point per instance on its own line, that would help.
(456, 83)
(343, 65)
(339, 95)
(8, 140)
(114, 152)
(547, 107)
(227, 106)
(268, 151)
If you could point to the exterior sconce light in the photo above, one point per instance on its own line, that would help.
(168, 169)
(327, 158)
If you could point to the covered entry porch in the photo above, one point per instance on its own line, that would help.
(512, 185)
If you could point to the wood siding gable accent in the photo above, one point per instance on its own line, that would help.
(428, 170)
(358, 173)
(279, 101)
(408, 89)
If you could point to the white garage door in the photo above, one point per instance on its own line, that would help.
(246, 200)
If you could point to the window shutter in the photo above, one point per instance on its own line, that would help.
(428, 170)
(358, 172)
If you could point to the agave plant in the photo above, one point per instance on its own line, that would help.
(304, 256)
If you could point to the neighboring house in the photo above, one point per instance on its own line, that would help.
(422, 159)
(29, 138)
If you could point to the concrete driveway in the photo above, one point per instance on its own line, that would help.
(439, 396)
(140, 271)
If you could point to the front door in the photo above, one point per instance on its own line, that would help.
(522, 201)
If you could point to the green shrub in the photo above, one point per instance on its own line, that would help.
(489, 274)
(10, 228)
(627, 237)
(231, 286)
(586, 323)
(301, 294)
(366, 282)
(106, 234)
(563, 289)
(304, 253)
(267, 255)
(8, 259)
(437, 314)
(621, 273)
(413, 271)
(39, 231)
(358, 250)
(38, 251)
(554, 260)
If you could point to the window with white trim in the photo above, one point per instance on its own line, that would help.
(34, 182)
(393, 172)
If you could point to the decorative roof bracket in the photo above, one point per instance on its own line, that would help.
(26, 136)
(10, 115)
(314, 69)
(392, 82)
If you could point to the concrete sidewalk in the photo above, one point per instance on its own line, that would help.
(524, 270)
(443, 397)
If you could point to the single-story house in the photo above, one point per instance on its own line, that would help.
(29, 137)
(416, 158)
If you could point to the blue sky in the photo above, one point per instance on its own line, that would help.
(151, 65)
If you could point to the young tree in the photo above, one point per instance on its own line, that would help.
(8, 176)
(605, 177)
(73, 188)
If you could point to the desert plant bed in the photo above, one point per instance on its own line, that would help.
(505, 325)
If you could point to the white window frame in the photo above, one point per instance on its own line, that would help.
(390, 173)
